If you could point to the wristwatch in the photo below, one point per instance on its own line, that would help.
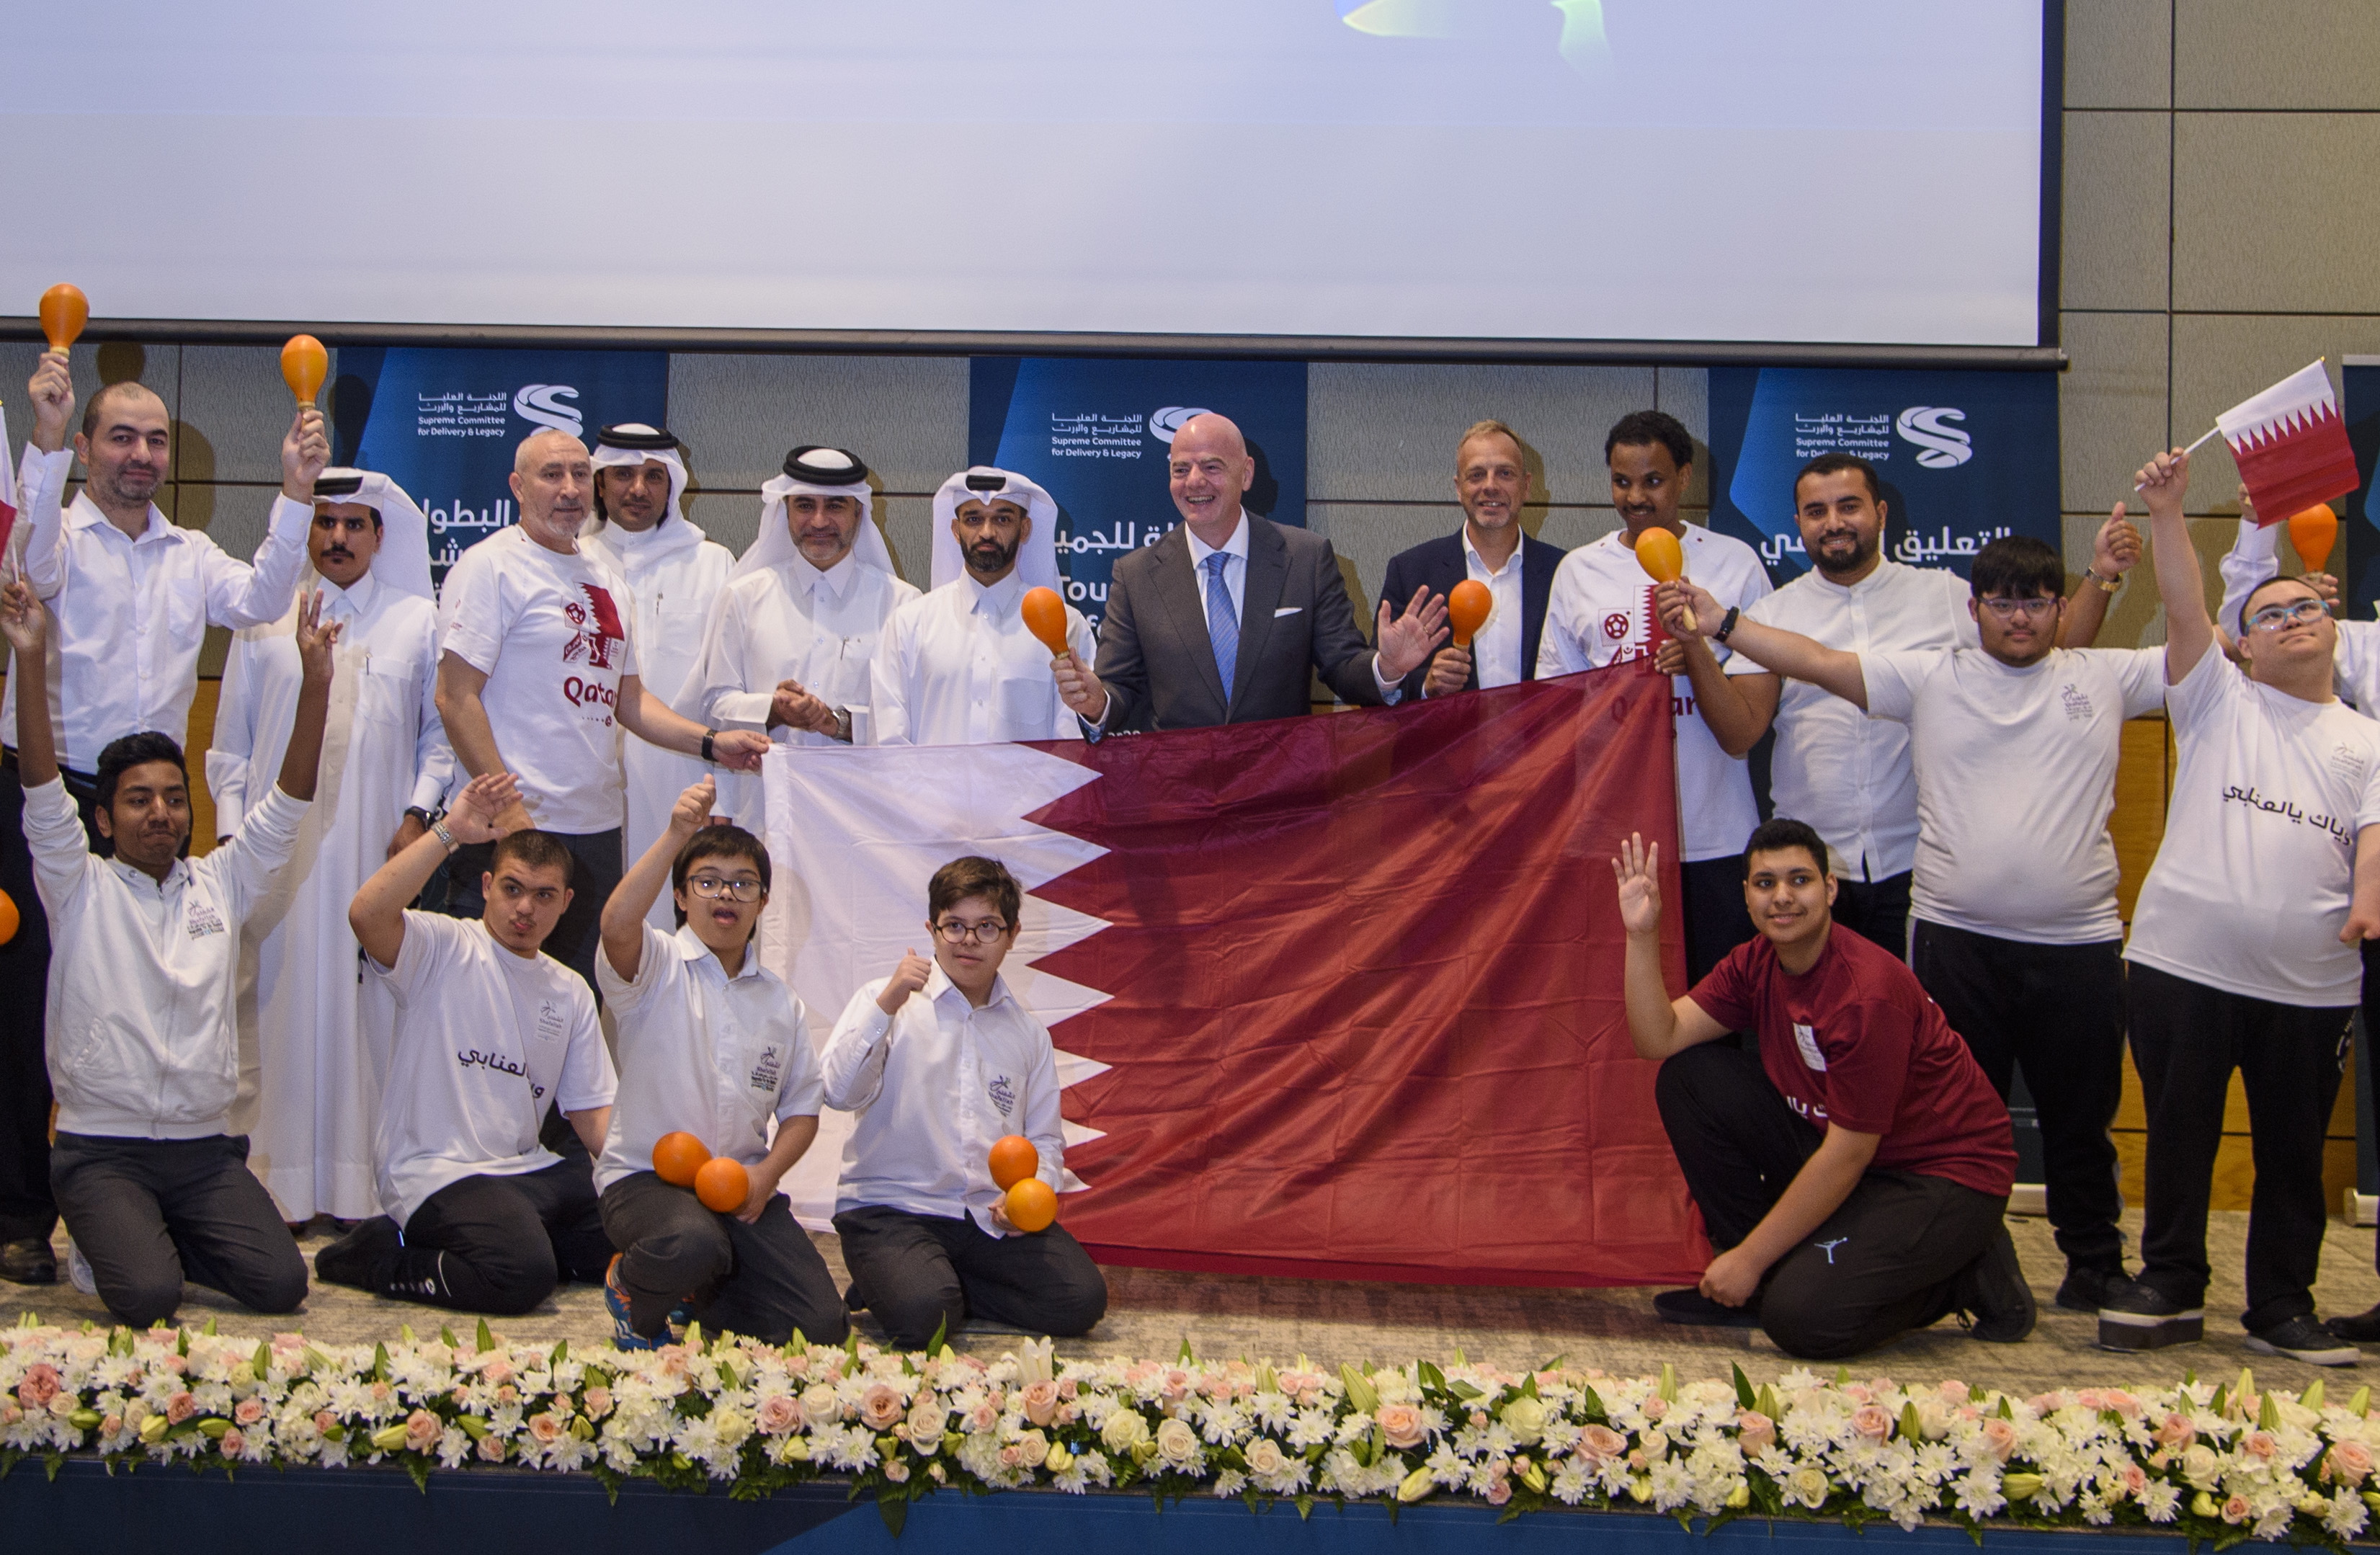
(2107, 585)
(707, 736)
(843, 725)
(1727, 624)
(437, 830)
(427, 818)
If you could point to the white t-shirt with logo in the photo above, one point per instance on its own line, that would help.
(2016, 774)
(1600, 612)
(2252, 884)
(551, 633)
(485, 1041)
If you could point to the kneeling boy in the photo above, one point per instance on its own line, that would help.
(940, 1060)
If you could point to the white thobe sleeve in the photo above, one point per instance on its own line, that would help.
(233, 746)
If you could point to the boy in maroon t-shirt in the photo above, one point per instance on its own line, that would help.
(1853, 1171)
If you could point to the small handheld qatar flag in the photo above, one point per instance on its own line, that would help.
(8, 499)
(2291, 442)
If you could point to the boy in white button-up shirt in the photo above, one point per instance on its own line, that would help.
(940, 1060)
(143, 1055)
(713, 1044)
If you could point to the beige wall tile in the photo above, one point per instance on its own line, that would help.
(2119, 53)
(737, 415)
(2111, 403)
(2274, 54)
(2272, 211)
(2112, 229)
(235, 411)
(1387, 431)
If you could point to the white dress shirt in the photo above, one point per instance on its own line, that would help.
(1849, 775)
(934, 1086)
(721, 1058)
(133, 613)
(1496, 646)
(143, 972)
(958, 667)
(1600, 612)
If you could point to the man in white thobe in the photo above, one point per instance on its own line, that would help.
(789, 643)
(313, 1039)
(958, 666)
(674, 573)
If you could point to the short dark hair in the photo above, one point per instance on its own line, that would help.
(1639, 427)
(2239, 630)
(133, 750)
(2018, 567)
(536, 850)
(1835, 464)
(1782, 833)
(718, 842)
(973, 876)
(98, 402)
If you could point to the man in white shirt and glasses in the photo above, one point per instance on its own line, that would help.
(133, 594)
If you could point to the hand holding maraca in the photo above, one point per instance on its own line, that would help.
(1026, 1204)
(305, 453)
(1687, 609)
(52, 391)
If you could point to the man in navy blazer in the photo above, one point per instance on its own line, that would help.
(1234, 601)
(1491, 483)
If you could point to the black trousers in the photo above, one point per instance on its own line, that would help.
(151, 1213)
(920, 1273)
(2372, 1036)
(1715, 916)
(1886, 1261)
(501, 1245)
(27, 1208)
(1876, 910)
(764, 1280)
(2059, 1012)
(2187, 1038)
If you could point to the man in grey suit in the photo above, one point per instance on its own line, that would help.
(1230, 600)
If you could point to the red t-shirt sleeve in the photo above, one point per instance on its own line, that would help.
(1867, 1054)
(1727, 992)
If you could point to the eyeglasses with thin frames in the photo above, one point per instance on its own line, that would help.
(954, 933)
(711, 887)
(2008, 610)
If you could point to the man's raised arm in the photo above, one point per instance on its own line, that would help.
(2188, 630)
(377, 914)
(1658, 1024)
(1789, 653)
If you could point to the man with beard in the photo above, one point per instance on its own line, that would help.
(2013, 886)
(132, 594)
(957, 666)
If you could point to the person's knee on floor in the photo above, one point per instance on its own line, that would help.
(911, 1313)
(145, 1297)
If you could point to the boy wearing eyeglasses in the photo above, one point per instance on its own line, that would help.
(939, 1061)
(713, 1044)
(2013, 887)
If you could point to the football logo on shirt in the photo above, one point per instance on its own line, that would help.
(598, 628)
(1807, 1039)
(1615, 625)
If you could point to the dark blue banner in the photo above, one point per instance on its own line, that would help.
(1963, 456)
(443, 422)
(1095, 433)
(2358, 563)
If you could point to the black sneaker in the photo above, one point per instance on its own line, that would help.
(29, 1261)
(2361, 1329)
(2136, 1316)
(1992, 1293)
(1690, 1306)
(2086, 1286)
(2303, 1339)
(364, 1258)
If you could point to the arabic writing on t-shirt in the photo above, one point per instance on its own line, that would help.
(473, 1057)
(2337, 828)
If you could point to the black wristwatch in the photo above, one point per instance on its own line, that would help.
(427, 818)
(707, 736)
(1726, 624)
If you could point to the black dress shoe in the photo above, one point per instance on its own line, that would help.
(29, 1261)
(2085, 1287)
(2361, 1329)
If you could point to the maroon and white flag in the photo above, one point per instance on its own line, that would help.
(2291, 442)
(1337, 997)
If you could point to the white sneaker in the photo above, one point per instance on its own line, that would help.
(79, 1269)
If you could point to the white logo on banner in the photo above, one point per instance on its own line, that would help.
(542, 403)
(1945, 447)
(1164, 424)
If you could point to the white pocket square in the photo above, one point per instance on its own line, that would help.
(1287, 610)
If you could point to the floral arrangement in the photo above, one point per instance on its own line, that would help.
(2225, 1463)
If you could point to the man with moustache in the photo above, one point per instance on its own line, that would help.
(958, 666)
(1517, 568)
(1227, 619)
(314, 1042)
(132, 594)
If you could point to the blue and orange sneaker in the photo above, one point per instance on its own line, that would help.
(615, 1301)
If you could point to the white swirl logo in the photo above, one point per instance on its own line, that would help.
(1164, 423)
(541, 403)
(1944, 447)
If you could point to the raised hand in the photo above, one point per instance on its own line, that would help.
(316, 637)
(483, 799)
(907, 978)
(305, 453)
(692, 812)
(1404, 642)
(23, 621)
(1450, 671)
(1640, 892)
(2116, 549)
(2164, 481)
(1078, 687)
(52, 391)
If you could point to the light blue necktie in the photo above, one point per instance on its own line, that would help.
(1222, 622)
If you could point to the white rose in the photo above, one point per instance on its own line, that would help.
(925, 1419)
(1124, 1431)
(819, 1403)
(1177, 1443)
(1525, 1418)
(1265, 1456)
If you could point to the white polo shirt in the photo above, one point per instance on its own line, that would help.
(485, 1041)
(1600, 612)
(720, 1057)
(1845, 774)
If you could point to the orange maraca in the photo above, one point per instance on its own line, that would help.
(1013, 1158)
(1045, 617)
(723, 1184)
(678, 1158)
(1658, 553)
(304, 365)
(2313, 533)
(1468, 608)
(9, 921)
(1032, 1205)
(63, 312)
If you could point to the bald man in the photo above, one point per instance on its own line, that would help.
(1228, 618)
(132, 594)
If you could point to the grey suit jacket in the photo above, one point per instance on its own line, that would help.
(1158, 662)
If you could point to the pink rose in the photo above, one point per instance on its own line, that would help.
(111, 1425)
(1040, 1402)
(2000, 1437)
(780, 1414)
(1499, 1491)
(673, 1358)
(12, 1415)
(983, 1417)
(2236, 1510)
(499, 1370)
(1010, 1456)
(2122, 1402)
(1755, 1432)
(896, 1471)
(1656, 1407)
(1400, 1424)
(232, 1444)
(1068, 1388)
(1872, 1421)
(491, 1448)
(508, 1394)
(2135, 1479)
(797, 1366)
(1069, 1412)
(248, 1412)
(546, 1426)
(380, 1393)
(2092, 1398)
(597, 1402)
(324, 1420)
(180, 1407)
(2177, 1432)
(422, 1430)
(1601, 1443)
(39, 1386)
(1175, 1387)
(1857, 1393)
(1953, 1392)
(2260, 1445)
(2350, 1461)
(880, 1405)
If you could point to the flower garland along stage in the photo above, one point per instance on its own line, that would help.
(2219, 1461)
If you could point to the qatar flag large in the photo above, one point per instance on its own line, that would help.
(1337, 997)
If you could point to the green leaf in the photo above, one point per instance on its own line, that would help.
(487, 1339)
(2361, 1401)
(1430, 1376)
(1668, 1389)
(1744, 1397)
(446, 1337)
(1361, 1395)
(894, 1509)
(1529, 1386)
(1305, 1502)
(560, 1354)
(1595, 1413)
(2222, 1399)
(404, 1333)
(1766, 1403)
(380, 1362)
(1842, 1376)
(1460, 1358)
(2311, 1398)
(262, 1360)
(1186, 1357)
(209, 1332)
(2006, 1412)
(1912, 1428)
(2268, 1411)
(1465, 1391)
(941, 1335)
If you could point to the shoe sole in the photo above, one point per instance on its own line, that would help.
(2343, 1354)
(2145, 1330)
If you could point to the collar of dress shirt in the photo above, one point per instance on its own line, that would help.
(85, 513)
(1883, 565)
(356, 600)
(176, 876)
(1471, 553)
(937, 983)
(835, 580)
(690, 947)
(997, 599)
(1235, 546)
